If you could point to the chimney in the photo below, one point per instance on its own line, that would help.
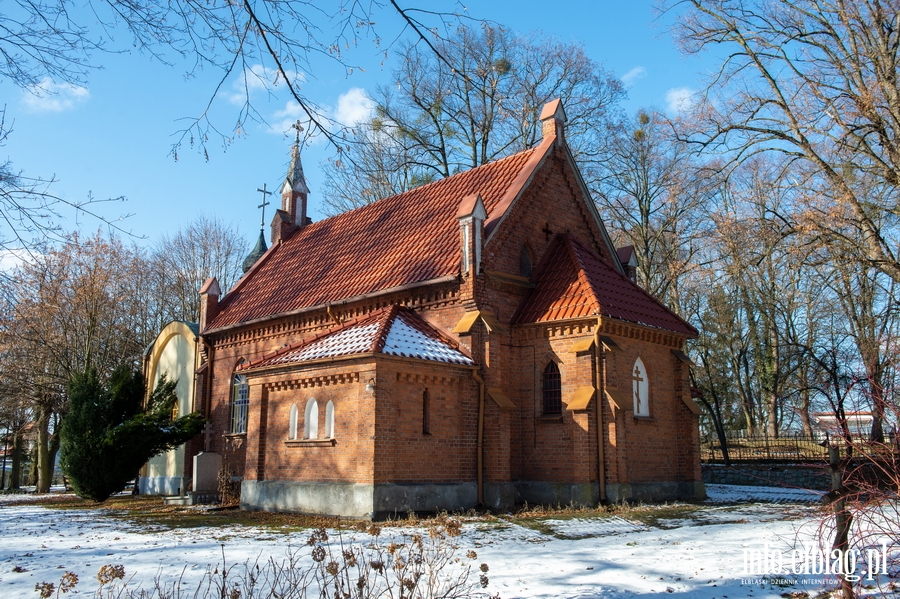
(553, 121)
(209, 302)
(628, 259)
(471, 216)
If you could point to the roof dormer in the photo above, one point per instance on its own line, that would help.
(471, 216)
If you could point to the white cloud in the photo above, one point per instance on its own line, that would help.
(259, 78)
(679, 99)
(10, 259)
(48, 96)
(354, 107)
(633, 75)
(283, 119)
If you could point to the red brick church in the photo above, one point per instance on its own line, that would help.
(476, 340)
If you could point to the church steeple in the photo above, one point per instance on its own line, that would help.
(256, 253)
(260, 248)
(294, 191)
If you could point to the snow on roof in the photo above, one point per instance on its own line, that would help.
(393, 330)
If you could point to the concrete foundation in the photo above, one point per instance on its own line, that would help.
(326, 499)
(551, 493)
(656, 491)
(385, 500)
(163, 485)
(352, 500)
(499, 495)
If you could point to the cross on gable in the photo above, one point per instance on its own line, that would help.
(547, 231)
(265, 202)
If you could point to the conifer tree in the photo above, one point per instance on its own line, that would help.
(109, 433)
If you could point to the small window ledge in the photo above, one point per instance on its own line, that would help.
(234, 435)
(645, 418)
(550, 418)
(310, 442)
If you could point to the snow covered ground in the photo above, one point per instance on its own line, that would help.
(679, 551)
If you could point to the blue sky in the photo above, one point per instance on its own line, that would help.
(113, 137)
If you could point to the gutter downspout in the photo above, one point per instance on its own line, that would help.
(480, 442)
(601, 394)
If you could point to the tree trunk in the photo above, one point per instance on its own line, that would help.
(805, 419)
(842, 518)
(44, 457)
(15, 473)
(876, 390)
(6, 440)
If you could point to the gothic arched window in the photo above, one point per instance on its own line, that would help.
(240, 404)
(525, 262)
(640, 386)
(329, 420)
(311, 420)
(292, 427)
(552, 390)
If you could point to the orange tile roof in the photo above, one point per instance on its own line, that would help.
(393, 330)
(572, 282)
(403, 239)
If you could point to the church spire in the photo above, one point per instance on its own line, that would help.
(294, 191)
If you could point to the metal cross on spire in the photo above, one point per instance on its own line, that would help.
(299, 129)
(265, 202)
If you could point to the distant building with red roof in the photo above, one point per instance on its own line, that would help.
(476, 340)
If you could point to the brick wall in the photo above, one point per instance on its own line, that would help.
(404, 453)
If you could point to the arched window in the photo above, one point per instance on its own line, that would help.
(641, 389)
(329, 420)
(552, 390)
(292, 427)
(240, 404)
(311, 420)
(525, 262)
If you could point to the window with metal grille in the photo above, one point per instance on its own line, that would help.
(552, 390)
(240, 404)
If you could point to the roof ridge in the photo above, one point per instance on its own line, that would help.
(509, 198)
(640, 289)
(418, 188)
(582, 271)
(386, 321)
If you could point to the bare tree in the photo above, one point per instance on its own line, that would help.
(203, 248)
(815, 82)
(69, 309)
(655, 196)
(475, 100)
